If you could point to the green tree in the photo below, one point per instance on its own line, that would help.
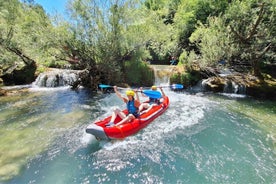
(160, 17)
(213, 42)
(243, 35)
(254, 34)
(110, 33)
(22, 36)
(189, 13)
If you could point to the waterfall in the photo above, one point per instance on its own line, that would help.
(223, 84)
(56, 78)
(162, 74)
(232, 87)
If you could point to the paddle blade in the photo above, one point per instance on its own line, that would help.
(177, 86)
(105, 86)
(152, 94)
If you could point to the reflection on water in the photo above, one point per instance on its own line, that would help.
(199, 139)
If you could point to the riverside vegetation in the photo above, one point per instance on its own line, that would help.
(111, 40)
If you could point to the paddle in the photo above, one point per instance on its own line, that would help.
(173, 86)
(149, 93)
(176, 86)
(108, 86)
(152, 94)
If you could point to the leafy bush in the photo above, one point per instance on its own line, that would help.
(212, 41)
(188, 58)
(139, 74)
(188, 79)
(243, 35)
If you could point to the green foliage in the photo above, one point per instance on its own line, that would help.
(139, 73)
(254, 34)
(111, 38)
(188, 58)
(213, 41)
(115, 31)
(243, 34)
(188, 79)
(155, 5)
(190, 12)
(24, 28)
(161, 37)
(183, 58)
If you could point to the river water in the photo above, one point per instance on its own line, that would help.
(201, 138)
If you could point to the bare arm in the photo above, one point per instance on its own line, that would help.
(161, 89)
(137, 96)
(118, 94)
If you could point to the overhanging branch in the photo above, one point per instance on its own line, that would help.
(254, 27)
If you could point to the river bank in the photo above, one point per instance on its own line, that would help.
(224, 80)
(243, 84)
(218, 79)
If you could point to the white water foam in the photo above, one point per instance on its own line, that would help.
(36, 88)
(233, 95)
(87, 139)
(16, 87)
(185, 110)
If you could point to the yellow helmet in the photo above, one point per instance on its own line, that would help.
(154, 87)
(130, 93)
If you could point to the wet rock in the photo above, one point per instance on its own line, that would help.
(20, 75)
(215, 84)
(264, 89)
(3, 92)
(241, 84)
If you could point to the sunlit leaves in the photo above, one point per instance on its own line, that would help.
(240, 35)
(190, 12)
(212, 41)
(24, 27)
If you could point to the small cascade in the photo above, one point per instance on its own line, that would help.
(223, 85)
(57, 78)
(162, 74)
(232, 87)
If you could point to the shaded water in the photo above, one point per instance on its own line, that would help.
(199, 139)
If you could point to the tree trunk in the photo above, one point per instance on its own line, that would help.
(24, 75)
(256, 68)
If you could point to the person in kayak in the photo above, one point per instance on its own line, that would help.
(132, 107)
(151, 102)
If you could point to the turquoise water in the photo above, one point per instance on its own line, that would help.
(197, 140)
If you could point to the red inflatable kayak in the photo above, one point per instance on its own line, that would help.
(101, 132)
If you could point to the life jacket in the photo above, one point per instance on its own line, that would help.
(131, 107)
